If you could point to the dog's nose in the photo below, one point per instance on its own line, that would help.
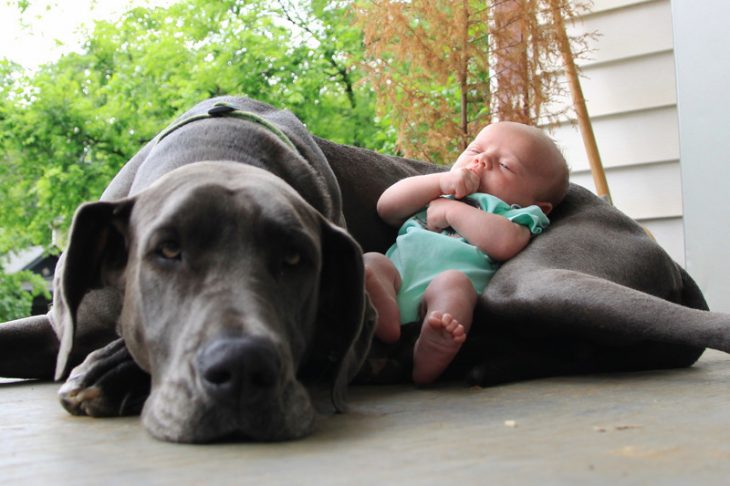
(239, 369)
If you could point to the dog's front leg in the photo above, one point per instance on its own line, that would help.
(108, 383)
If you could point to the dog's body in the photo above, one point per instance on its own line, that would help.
(234, 286)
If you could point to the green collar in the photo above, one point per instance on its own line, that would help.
(222, 109)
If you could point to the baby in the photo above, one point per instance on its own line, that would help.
(455, 229)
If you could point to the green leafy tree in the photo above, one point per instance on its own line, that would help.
(348, 102)
(67, 128)
(17, 291)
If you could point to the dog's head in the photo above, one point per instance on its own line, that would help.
(238, 298)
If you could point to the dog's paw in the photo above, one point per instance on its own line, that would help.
(107, 384)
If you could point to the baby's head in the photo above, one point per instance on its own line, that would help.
(519, 164)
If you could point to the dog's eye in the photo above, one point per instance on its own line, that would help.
(292, 258)
(288, 262)
(169, 250)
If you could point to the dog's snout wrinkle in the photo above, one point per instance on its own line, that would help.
(242, 369)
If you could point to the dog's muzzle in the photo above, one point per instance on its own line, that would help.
(241, 370)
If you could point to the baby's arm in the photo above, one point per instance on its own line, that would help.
(495, 235)
(409, 195)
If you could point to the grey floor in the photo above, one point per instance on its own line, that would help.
(668, 427)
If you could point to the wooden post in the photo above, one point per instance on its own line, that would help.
(579, 103)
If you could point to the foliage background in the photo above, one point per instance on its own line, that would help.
(68, 127)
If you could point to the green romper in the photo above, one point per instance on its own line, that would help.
(420, 254)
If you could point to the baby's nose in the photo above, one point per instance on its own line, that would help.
(487, 162)
(484, 160)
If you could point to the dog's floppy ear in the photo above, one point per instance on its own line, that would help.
(345, 321)
(95, 257)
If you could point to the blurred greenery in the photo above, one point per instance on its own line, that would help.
(67, 127)
(17, 291)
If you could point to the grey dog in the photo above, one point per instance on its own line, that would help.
(221, 293)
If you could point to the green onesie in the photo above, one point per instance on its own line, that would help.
(420, 254)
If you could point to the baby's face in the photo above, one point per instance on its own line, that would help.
(508, 161)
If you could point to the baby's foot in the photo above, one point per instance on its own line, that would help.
(440, 340)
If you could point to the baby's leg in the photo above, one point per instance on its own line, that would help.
(449, 300)
(382, 282)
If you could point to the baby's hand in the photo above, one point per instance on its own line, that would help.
(436, 213)
(460, 182)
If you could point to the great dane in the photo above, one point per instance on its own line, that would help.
(220, 291)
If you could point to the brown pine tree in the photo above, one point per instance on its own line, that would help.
(445, 68)
(527, 54)
(428, 64)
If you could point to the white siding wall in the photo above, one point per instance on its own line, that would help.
(629, 86)
(703, 75)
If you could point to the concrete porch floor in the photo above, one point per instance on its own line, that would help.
(664, 427)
